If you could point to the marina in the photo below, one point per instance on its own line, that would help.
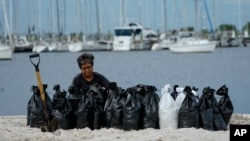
(228, 66)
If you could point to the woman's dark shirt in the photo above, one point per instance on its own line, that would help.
(80, 84)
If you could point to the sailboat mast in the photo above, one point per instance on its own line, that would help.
(196, 17)
(122, 13)
(97, 19)
(239, 10)
(208, 16)
(6, 22)
(58, 16)
(165, 18)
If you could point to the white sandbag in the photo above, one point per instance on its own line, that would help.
(180, 97)
(168, 112)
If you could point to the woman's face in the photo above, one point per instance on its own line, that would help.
(87, 70)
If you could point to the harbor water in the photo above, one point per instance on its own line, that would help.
(229, 66)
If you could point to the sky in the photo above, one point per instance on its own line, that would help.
(75, 16)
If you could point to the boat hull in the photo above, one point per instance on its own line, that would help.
(5, 53)
(192, 47)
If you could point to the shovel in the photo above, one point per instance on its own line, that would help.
(48, 125)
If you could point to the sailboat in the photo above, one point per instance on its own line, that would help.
(6, 50)
(193, 44)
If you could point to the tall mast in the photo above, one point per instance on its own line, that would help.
(165, 17)
(97, 19)
(122, 13)
(239, 10)
(6, 21)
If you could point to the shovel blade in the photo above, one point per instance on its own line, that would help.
(49, 125)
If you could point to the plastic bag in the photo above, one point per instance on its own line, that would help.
(225, 104)
(132, 111)
(90, 111)
(84, 113)
(168, 111)
(114, 107)
(189, 112)
(174, 93)
(218, 122)
(180, 97)
(35, 111)
(150, 105)
(206, 109)
(61, 108)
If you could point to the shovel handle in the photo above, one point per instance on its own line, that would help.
(32, 62)
(38, 75)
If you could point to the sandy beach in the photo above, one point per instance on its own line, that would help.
(14, 128)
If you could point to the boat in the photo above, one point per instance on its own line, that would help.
(22, 45)
(133, 36)
(97, 45)
(193, 45)
(75, 46)
(6, 52)
(40, 47)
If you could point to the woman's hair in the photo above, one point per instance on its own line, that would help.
(85, 58)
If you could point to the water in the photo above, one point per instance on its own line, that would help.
(228, 66)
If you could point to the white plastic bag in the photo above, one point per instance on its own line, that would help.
(168, 111)
(180, 97)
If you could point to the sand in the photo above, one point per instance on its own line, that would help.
(14, 128)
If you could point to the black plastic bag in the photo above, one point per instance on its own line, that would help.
(206, 109)
(189, 112)
(225, 104)
(114, 107)
(74, 100)
(35, 111)
(90, 111)
(219, 123)
(61, 108)
(174, 93)
(84, 113)
(150, 106)
(132, 112)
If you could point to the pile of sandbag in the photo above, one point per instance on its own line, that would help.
(134, 108)
(183, 108)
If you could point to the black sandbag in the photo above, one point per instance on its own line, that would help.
(225, 104)
(90, 111)
(206, 110)
(132, 113)
(174, 93)
(35, 111)
(150, 106)
(114, 107)
(61, 108)
(189, 112)
(219, 123)
(74, 100)
(84, 113)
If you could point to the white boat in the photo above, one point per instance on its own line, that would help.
(40, 47)
(75, 46)
(193, 45)
(97, 45)
(21, 44)
(132, 37)
(6, 52)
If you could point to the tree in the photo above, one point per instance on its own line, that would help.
(187, 28)
(227, 27)
(246, 27)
